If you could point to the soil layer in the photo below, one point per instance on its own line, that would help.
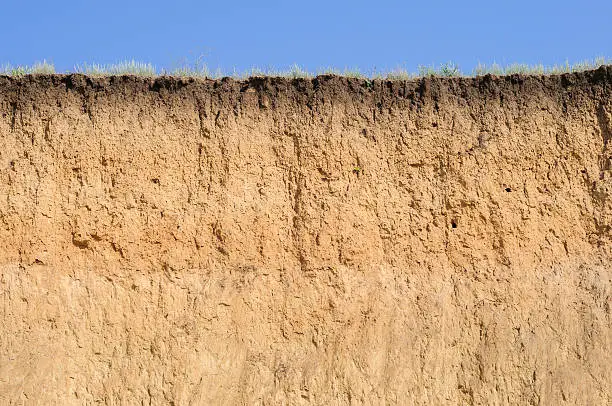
(307, 241)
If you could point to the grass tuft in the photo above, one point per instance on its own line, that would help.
(296, 72)
(398, 73)
(122, 68)
(449, 70)
(39, 68)
(539, 69)
(198, 69)
(187, 71)
(446, 70)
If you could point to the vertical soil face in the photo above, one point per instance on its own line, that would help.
(325, 241)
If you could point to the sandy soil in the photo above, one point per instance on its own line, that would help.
(325, 241)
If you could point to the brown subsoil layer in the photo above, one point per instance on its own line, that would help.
(307, 241)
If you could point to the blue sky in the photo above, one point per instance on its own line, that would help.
(314, 34)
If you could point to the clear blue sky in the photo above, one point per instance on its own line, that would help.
(314, 34)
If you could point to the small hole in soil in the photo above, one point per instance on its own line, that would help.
(508, 189)
(453, 224)
(155, 180)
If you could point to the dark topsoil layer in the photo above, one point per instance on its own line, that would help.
(569, 87)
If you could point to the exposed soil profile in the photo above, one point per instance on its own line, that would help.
(308, 241)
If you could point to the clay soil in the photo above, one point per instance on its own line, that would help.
(313, 241)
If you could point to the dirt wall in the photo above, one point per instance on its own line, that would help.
(309, 241)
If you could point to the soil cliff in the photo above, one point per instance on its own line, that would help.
(308, 241)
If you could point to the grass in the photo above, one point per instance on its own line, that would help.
(199, 69)
(496, 69)
(447, 70)
(294, 72)
(43, 67)
(122, 68)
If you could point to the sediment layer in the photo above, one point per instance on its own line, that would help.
(308, 241)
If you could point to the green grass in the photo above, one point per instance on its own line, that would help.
(293, 72)
(122, 68)
(43, 67)
(199, 69)
(447, 70)
(496, 69)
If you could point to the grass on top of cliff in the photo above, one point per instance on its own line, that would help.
(200, 70)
